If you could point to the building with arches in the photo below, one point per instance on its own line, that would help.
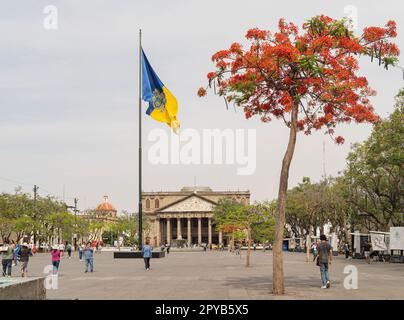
(186, 214)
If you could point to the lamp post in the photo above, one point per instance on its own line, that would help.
(75, 214)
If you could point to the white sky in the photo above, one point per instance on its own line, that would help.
(68, 98)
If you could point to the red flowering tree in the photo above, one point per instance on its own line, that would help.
(308, 79)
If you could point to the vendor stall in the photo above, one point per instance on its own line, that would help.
(385, 246)
(359, 240)
(396, 245)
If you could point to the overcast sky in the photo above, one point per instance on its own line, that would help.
(68, 97)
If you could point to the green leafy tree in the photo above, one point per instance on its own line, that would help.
(61, 224)
(307, 209)
(263, 230)
(375, 172)
(247, 219)
(124, 227)
(309, 79)
(223, 210)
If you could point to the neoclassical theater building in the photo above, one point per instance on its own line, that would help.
(186, 214)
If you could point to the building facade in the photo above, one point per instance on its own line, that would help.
(186, 214)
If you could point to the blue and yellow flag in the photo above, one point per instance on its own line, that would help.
(163, 105)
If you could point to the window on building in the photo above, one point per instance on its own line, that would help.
(147, 203)
(157, 203)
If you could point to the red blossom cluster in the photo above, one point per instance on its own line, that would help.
(201, 92)
(314, 71)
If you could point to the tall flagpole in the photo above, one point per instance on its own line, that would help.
(140, 142)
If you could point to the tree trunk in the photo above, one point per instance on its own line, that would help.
(308, 244)
(346, 230)
(247, 264)
(278, 279)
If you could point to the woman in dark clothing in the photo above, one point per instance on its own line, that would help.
(24, 254)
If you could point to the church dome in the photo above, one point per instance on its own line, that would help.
(105, 206)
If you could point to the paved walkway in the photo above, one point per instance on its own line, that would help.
(216, 275)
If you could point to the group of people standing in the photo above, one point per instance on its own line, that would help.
(12, 252)
(84, 250)
(15, 252)
(166, 246)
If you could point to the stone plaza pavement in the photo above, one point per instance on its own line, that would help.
(215, 275)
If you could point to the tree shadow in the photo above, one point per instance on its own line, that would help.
(264, 283)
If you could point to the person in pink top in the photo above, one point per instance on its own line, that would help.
(55, 253)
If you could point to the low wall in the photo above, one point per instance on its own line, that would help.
(136, 255)
(22, 289)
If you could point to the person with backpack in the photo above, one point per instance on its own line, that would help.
(69, 250)
(24, 254)
(323, 259)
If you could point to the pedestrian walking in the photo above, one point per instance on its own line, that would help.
(81, 249)
(33, 250)
(16, 251)
(69, 250)
(323, 258)
(89, 257)
(346, 250)
(7, 255)
(147, 250)
(238, 249)
(167, 247)
(55, 254)
(314, 250)
(62, 249)
(367, 252)
(24, 254)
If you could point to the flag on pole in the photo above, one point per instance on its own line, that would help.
(163, 105)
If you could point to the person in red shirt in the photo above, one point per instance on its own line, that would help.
(55, 253)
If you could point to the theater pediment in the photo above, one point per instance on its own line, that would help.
(193, 203)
